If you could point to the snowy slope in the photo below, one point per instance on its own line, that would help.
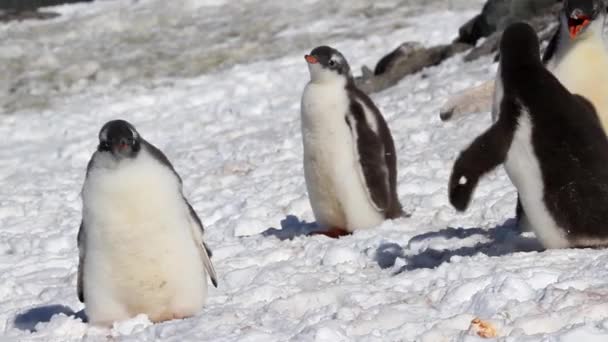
(233, 133)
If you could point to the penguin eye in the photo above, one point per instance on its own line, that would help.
(332, 62)
(104, 146)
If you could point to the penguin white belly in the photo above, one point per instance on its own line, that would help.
(584, 71)
(338, 196)
(140, 254)
(523, 169)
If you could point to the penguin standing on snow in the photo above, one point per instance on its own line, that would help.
(349, 155)
(140, 241)
(577, 55)
(553, 146)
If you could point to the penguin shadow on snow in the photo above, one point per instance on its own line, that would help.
(501, 240)
(291, 227)
(28, 320)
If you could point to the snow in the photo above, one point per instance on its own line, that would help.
(217, 86)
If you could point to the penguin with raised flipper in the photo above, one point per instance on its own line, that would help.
(577, 55)
(350, 163)
(140, 241)
(553, 147)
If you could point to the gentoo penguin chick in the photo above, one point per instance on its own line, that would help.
(553, 147)
(576, 55)
(140, 241)
(350, 163)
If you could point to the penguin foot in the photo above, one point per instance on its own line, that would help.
(333, 232)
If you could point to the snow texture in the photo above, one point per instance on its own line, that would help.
(217, 86)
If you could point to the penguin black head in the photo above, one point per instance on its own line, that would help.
(579, 14)
(119, 138)
(327, 64)
(519, 46)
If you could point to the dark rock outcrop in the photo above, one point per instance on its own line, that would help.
(33, 5)
(498, 14)
(29, 9)
(544, 24)
(26, 15)
(407, 59)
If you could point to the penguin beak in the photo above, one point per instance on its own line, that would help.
(577, 22)
(121, 145)
(311, 59)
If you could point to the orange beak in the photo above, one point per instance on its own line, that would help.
(311, 59)
(575, 26)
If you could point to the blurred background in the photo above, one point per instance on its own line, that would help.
(48, 52)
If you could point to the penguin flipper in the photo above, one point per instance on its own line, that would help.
(485, 153)
(205, 255)
(204, 251)
(81, 255)
(160, 157)
(372, 167)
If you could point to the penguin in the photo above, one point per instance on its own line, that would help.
(552, 144)
(350, 164)
(141, 248)
(577, 55)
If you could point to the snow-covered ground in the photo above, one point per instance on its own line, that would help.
(217, 85)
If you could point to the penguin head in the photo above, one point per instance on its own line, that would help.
(519, 46)
(327, 64)
(120, 139)
(579, 15)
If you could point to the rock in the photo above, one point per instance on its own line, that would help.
(25, 15)
(485, 23)
(497, 14)
(33, 5)
(544, 24)
(408, 59)
(411, 57)
(388, 62)
(29, 9)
